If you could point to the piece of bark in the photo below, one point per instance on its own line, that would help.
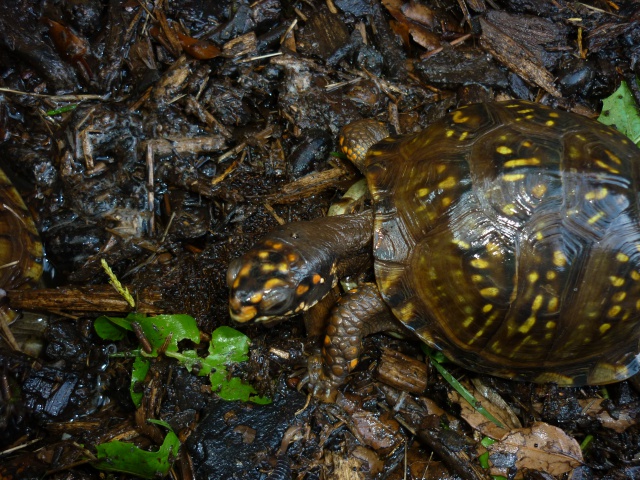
(98, 299)
(402, 372)
(516, 57)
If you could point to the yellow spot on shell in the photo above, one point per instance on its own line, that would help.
(550, 324)
(549, 123)
(613, 157)
(553, 304)
(635, 275)
(553, 114)
(263, 255)
(616, 281)
(446, 201)
(467, 321)
(479, 263)
(459, 117)
(619, 296)
(504, 150)
(539, 235)
(449, 133)
(464, 135)
(477, 278)
(441, 168)
(533, 277)
(509, 209)
(621, 257)
(448, 182)
(526, 143)
(489, 292)
(613, 311)
(537, 303)
(526, 326)
(559, 260)
(539, 190)
(487, 308)
(551, 275)
(596, 194)
(462, 244)
(604, 328)
(423, 192)
(603, 165)
(522, 162)
(595, 218)
(513, 177)
(525, 110)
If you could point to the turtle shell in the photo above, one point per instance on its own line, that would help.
(507, 235)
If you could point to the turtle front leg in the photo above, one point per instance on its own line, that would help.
(359, 313)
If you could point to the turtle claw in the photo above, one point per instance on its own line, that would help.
(320, 385)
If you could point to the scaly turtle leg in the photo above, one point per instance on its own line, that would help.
(359, 313)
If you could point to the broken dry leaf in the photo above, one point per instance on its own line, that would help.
(593, 408)
(414, 18)
(540, 447)
(480, 422)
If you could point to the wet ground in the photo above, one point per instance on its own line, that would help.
(167, 137)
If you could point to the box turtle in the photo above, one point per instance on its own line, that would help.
(506, 235)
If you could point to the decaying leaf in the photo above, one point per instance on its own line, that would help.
(416, 19)
(540, 447)
(593, 408)
(480, 422)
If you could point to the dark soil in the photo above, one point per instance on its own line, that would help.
(194, 127)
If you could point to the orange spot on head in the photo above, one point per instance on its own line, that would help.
(302, 289)
(316, 278)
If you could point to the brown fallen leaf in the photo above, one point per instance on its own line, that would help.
(415, 19)
(593, 408)
(541, 447)
(481, 423)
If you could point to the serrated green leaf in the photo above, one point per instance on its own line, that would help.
(124, 457)
(620, 110)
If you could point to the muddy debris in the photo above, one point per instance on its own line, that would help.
(166, 138)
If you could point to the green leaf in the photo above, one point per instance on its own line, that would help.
(179, 327)
(108, 330)
(621, 111)
(138, 373)
(229, 346)
(156, 329)
(124, 457)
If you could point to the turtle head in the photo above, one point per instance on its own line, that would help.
(276, 279)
